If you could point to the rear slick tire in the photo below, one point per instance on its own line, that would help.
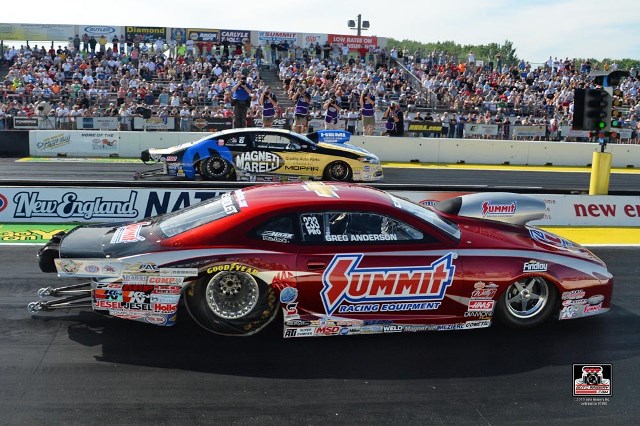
(231, 303)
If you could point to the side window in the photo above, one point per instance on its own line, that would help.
(277, 142)
(280, 230)
(354, 227)
(312, 225)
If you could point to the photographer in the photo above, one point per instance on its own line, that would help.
(268, 102)
(331, 113)
(240, 99)
(394, 120)
(301, 115)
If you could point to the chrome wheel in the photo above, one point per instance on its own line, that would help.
(214, 168)
(232, 295)
(527, 298)
(338, 171)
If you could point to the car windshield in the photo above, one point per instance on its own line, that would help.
(199, 214)
(428, 216)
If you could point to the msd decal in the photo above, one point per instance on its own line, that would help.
(489, 209)
(344, 281)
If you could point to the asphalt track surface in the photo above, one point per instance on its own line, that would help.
(574, 178)
(79, 367)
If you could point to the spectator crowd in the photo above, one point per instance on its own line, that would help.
(95, 77)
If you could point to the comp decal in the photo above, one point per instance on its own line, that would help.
(349, 288)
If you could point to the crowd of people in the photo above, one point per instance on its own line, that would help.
(99, 78)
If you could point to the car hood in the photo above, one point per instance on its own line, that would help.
(108, 241)
(345, 147)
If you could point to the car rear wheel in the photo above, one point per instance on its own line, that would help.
(338, 171)
(215, 168)
(527, 303)
(231, 303)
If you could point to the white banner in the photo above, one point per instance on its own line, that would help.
(308, 39)
(86, 205)
(568, 132)
(473, 129)
(101, 123)
(77, 143)
(529, 131)
(97, 30)
(625, 133)
(154, 123)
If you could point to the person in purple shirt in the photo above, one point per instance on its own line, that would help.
(301, 112)
(367, 104)
(269, 103)
(331, 113)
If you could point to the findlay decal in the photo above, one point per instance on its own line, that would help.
(421, 287)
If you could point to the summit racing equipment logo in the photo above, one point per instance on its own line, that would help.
(417, 287)
(497, 210)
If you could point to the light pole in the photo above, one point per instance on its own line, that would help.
(361, 26)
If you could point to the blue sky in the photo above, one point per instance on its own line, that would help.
(538, 28)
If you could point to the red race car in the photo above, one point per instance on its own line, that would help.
(336, 259)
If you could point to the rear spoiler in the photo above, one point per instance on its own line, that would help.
(517, 209)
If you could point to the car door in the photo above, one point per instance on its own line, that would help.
(368, 267)
(289, 156)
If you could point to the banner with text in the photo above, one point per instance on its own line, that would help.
(145, 34)
(101, 123)
(98, 30)
(36, 32)
(234, 36)
(473, 129)
(86, 143)
(353, 42)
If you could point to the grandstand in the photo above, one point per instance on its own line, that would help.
(190, 83)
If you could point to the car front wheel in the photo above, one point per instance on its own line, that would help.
(231, 303)
(527, 303)
(338, 171)
(215, 168)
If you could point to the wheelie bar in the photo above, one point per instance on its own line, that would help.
(148, 173)
(71, 296)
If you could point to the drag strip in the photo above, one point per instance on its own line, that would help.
(79, 367)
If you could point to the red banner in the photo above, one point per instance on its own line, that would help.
(354, 42)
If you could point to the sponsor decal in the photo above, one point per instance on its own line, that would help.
(327, 330)
(165, 308)
(485, 293)
(534, 266)
(240, 198)
(165, 298)
(88, 267)
(478, 314)
(232, 267)
(481, 305)
(297, 322)
(592, 379)
(227, 203)
(573, 294)
(498, 210)
(392, 328)
(142, 288)
(30, 205)
(134, 279)
(362, 237)
(596, 299)
(345, 282)
(129, 233)
(283, 279)
(99, 30)
(570, 302)
(568, 312)
(258, 161)
(290, 332)
(278, 237)
(477, 324)
(549, 238)
(108, 294)
(167, 289)
(288, 295)
(179, 272)
(111, 286)
(107, 304)
(312, 225)
(592, 309)
(175, 281)
(155, 319)
(321, 189)
(141, 268)
(296, 168)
